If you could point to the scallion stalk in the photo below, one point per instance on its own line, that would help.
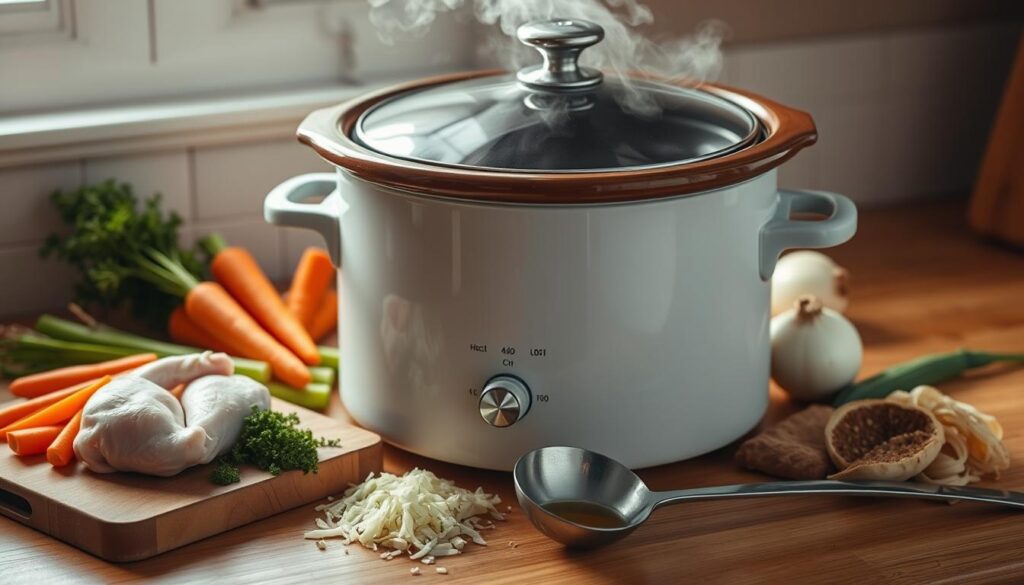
(924, 371)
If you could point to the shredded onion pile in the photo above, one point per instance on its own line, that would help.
(417, 513)
(974, 446)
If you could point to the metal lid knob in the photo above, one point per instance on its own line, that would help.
(560, 41)
(504, 400)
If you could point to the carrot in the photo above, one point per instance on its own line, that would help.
(326, 317)
(44, 382)
(183, 330)
(210, 307)
(178, 390)
(32, 441)
(312, 277)
(62, 450)
(57, 412)
(20, 410)
(237, 271)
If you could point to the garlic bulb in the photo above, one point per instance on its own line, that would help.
(815, 350)
(809, 273)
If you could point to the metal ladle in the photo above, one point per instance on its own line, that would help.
(593, 482)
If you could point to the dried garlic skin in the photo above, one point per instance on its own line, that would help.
(881, 440)
(973, 439)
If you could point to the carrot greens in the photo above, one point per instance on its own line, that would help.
(112, 235)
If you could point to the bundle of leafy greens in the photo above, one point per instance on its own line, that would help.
(271, 441)
(110, 230)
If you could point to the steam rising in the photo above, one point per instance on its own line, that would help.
(690, 59)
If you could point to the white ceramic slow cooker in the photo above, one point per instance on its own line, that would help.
(556, 257)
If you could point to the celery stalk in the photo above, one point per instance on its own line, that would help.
(329, 357)
(314, 396)
(322, 375)
(73, 352)
(115, 339)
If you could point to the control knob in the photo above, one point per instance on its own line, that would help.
(504, 400)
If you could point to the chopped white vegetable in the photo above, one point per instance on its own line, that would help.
(417, 513)
(414, 571)
(320, 544)
(441, 571)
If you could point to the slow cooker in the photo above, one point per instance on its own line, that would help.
(557, 256)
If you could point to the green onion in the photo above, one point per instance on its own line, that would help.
(314, 396)
(113, 338)
(924, 371)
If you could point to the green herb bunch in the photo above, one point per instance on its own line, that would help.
(110, 229)
(271, 441)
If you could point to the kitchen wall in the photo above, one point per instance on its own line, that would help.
(903, 116)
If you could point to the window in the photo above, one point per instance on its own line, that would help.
(34, 17)
(58, 54)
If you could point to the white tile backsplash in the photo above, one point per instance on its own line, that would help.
(29, 283)
(901, 115)
(802, 73)
(26, 214)
(261, 239)
(166, 173)
(232, 181)
(935, 61)
(850, 156)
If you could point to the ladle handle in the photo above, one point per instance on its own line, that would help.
(841, 488)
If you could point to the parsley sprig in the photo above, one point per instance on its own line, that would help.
(271, 441)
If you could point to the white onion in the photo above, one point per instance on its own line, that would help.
(815, 350)
(809, 273)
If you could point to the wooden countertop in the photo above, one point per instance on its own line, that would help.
(922, 283)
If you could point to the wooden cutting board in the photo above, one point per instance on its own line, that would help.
(127, 517)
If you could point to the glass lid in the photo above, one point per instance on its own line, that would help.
(556, 117)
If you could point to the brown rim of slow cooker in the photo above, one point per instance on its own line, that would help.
(327, 131)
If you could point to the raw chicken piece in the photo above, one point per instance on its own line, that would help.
(171, 371)
(218, 405)
(132, 424)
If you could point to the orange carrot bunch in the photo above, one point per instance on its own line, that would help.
(261, 324)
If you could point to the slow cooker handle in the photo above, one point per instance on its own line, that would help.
(782, 232)
(283, 207)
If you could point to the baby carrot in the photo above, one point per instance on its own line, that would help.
(62, 450)
(210, 307)
(57, 412)
(178, 390)
(20, 410)
(237, 271)
(44, 382)
(312, 277)
(32, 441)
(326, 317)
